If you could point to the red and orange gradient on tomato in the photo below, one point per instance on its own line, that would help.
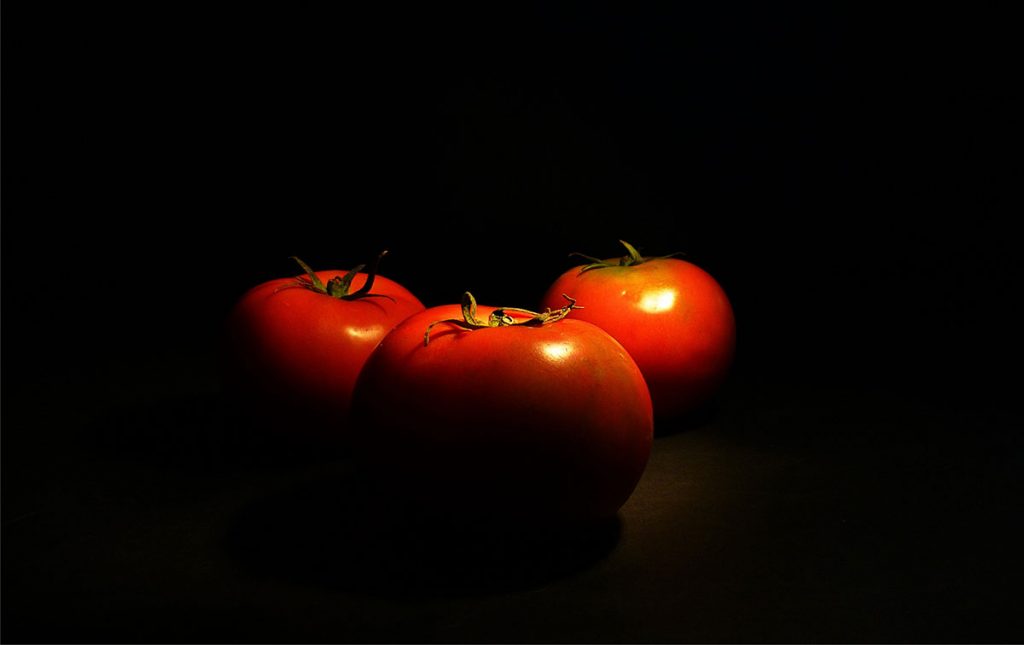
(294, 346)
(672, 316)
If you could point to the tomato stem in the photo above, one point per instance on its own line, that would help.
(632, 258)
(338, 286)
(371, 275)
(501, 317)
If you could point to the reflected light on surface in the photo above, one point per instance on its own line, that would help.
(657, 301)
(367, 333)
(556, 351)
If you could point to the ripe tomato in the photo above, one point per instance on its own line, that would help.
(296, 345)
(672, 316)
(521, 415)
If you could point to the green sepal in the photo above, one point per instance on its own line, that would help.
(632, 258)
(317, 283)
(634, 255)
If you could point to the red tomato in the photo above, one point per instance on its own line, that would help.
(672, 316)
(529, 416)
(296, 345)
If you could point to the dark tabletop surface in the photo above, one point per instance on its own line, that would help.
(137, 510)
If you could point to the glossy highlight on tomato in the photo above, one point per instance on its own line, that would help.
(505, 411)
(294, 346)
(672, 316)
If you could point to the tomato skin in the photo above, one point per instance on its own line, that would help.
(293, 354)
(552, 422)
(673, 317)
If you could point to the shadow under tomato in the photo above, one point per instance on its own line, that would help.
(344, 533)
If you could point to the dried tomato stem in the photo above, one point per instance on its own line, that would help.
(501, 317)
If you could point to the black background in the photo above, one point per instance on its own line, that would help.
(844, 173)
(847, 175)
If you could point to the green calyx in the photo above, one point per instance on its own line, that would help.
(632, 258)
(501, 317)
(339, 286)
